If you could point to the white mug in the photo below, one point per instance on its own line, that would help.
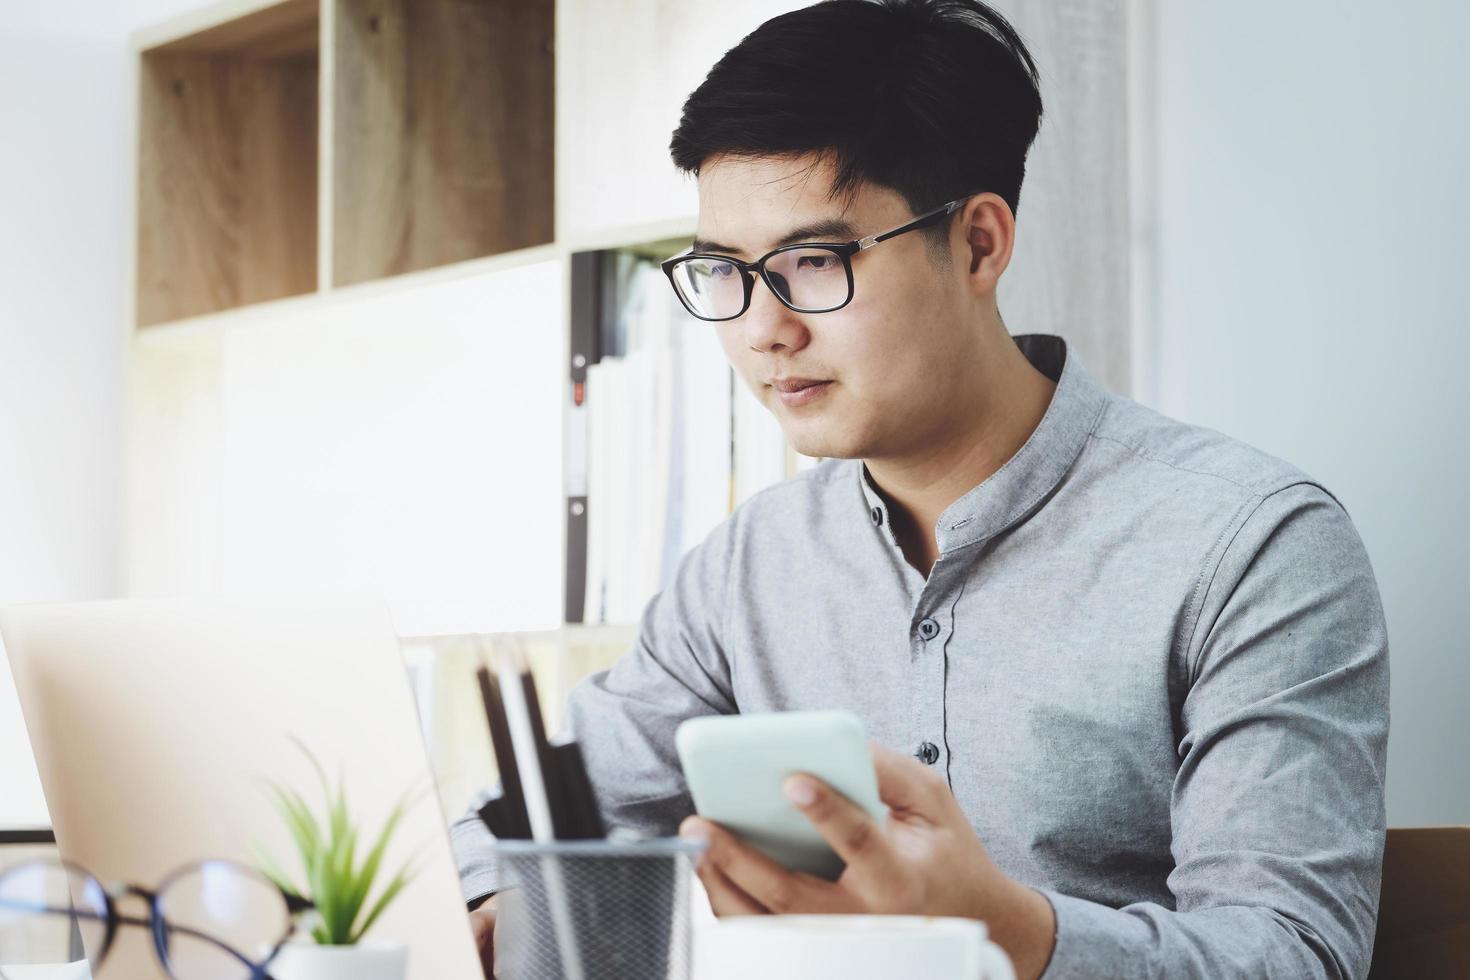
(853, 947)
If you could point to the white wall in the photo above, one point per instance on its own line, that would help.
(401, 443)
(65, 102)
(1313, 206)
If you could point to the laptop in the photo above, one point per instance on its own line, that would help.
(157, 726)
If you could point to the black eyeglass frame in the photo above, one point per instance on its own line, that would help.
(843, 250)
(156, 922)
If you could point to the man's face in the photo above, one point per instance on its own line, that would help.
(895, 362)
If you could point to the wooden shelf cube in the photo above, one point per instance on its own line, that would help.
(227, 165)
(442, 136)
(295, 146)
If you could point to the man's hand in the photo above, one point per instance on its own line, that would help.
(926, 860)
(482, 924)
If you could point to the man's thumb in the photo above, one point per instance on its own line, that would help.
(906, 784)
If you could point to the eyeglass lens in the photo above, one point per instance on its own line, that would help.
(218, 912)
(50, 916)
(810, 279)
(220, 918)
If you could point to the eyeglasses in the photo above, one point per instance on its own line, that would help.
(215, 920)
(808, 277)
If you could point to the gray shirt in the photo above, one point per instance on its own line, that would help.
(1150, 660)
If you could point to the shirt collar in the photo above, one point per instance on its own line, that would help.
(1025, 479)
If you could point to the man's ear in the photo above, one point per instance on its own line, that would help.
(989, 230)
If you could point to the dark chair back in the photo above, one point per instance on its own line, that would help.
(1424, 908)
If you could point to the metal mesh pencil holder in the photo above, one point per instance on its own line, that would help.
(595, 910)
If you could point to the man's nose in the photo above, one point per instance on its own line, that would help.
(769, 325)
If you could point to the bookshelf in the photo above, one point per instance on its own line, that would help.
(300, 160)
(296, 157)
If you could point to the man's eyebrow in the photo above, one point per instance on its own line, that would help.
(826, 230)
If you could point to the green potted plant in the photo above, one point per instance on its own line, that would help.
(340, 885)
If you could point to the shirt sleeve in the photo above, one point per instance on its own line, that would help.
(474, 854)
(624, 719)
(1277, 809)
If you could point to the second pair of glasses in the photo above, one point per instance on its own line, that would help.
(214, 920)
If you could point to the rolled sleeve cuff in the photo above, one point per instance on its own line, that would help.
(474, 853)
(1093, 941)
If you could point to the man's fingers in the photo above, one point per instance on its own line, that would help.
(495, 947)
(768, 884)
(483, 924)
(854, 835)
(724, 898)
(908, 786)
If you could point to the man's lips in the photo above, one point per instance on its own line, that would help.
(789, 385)
(796, 392)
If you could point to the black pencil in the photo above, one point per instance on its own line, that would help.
(551, 775)
(511, 814)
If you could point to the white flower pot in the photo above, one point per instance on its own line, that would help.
(365, 961)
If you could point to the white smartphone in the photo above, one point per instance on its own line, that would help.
(735, 765)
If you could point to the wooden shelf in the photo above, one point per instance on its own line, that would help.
(227, 165)
(391, 286)
(660, 239)
(442, 140)
(293, 147)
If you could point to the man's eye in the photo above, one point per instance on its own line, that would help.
(818, 263)
(721, 270)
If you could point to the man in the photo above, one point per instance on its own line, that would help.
(1132, 675)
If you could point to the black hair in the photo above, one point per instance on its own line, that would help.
(933, 99)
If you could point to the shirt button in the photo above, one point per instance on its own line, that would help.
(928, 629)
(928, 753)
(877, 515)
